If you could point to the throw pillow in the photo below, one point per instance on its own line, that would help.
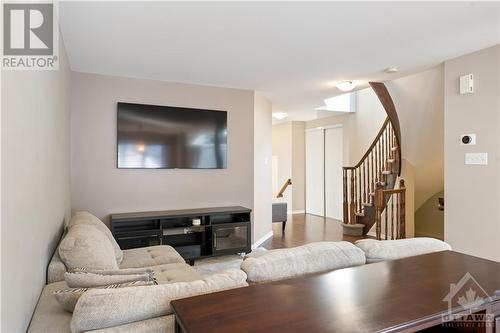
(69, 297)
(85, 246)
(87, 218)
(90, 279)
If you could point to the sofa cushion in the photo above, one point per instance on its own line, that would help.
(380, 250)
(49, 316)
(84, 246)
(87, 218)
(69, 297)
(150, 256)
(101, 308)
(83, 279)
(175, 272)
(307, 259)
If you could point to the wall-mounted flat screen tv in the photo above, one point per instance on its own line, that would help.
(167, 137)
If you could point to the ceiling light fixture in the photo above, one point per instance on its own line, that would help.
(280, 115)
(391, 70)
(346, 85)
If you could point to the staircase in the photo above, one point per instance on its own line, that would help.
(371, 193)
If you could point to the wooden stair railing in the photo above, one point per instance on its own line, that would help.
(390, 212)
(287, 183)
(377, 170)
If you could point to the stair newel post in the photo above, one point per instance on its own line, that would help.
(379, 206)
(402, 209)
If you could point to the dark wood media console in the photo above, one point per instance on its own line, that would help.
(221, 230)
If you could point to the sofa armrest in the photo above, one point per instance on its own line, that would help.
(165, 324)
(103, 308)
(381, 250)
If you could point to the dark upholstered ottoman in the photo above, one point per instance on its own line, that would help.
(279, 213)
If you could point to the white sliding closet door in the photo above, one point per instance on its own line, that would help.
(315, 164)
(333, 172)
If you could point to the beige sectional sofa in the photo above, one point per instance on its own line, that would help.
(175, 279)
(147, 308)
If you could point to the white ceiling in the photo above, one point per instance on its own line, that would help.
(293, 52)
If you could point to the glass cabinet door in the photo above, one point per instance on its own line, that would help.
(230, 237)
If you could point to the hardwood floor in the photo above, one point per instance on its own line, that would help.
(306, 228)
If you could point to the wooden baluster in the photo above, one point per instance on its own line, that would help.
(379, 203)
(393, 142)
(393, 198)
(403, 203)
(381, 156)
(372, 178)
(379, 148)
(344, 195)
(377, 151)
(386, 141)
(398, 217)
(352, 204)
(359, 189)
(388, 147)
(365, 183)
(382, 165)
(390, 141)
(386, 218)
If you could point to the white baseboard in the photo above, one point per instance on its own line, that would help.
(259, 242)
(296, 212)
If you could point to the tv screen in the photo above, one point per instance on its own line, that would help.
(167, 137)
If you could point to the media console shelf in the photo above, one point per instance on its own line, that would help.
(221, 230)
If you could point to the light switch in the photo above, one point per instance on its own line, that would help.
(476, 158)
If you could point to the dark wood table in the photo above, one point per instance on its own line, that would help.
(393, 296)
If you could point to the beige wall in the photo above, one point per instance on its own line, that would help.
(263, 196)
(98, 186)
(429, 220)
(359, 128)
(298, 166)
(408, 173)
(282, 153)
(289, 153)
(472, 219)
(419, 101)
(364, 124)
(35, 183)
